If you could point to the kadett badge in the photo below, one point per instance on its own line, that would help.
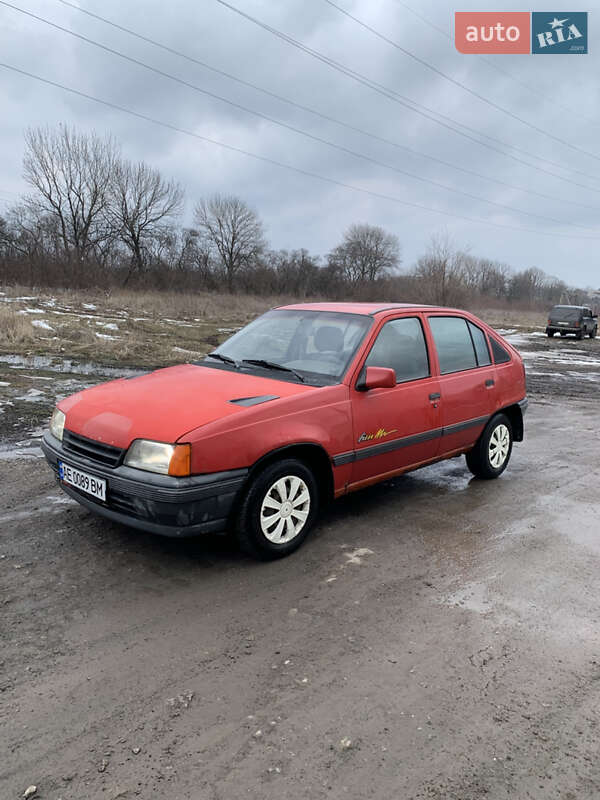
(380, 434)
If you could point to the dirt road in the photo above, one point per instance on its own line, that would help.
(437, 637)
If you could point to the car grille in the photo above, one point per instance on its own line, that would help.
(99, 452)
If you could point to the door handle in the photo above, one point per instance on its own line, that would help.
(435, 396)
(490, 382)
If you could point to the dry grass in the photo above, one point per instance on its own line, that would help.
(511, 318)
(144, 329)
(148, 328)
(155, 304)
(16, 329)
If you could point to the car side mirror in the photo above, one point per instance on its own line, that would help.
(376, 378)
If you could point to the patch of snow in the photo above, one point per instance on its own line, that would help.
(31, 311)
(41, 323)
(356, 556)
(13, 453)
(32, 396)
(182, 350)
(109, 326)
(106, 336)
(558, 357)
(179, 322)
(4, 383)
(89, 306)
(66, 365)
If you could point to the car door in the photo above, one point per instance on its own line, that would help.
(399, 426)
(467, 379)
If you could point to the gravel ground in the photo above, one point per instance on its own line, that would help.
(437, 636)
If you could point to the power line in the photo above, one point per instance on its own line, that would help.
(294, 129)
(290, 167)
(491, 63)
(412, 105)
(458, 83)
(317, 113)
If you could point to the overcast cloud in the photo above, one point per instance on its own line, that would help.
(301, 211)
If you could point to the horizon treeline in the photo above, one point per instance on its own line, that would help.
(94, 219)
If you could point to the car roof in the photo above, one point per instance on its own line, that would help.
(367, 309)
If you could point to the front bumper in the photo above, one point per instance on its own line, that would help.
(155, 503)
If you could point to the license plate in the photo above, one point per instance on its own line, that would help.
(563, 323)
(82, 480)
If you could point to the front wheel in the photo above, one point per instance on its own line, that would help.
(593, 332)
(579, 335)
(550, 334)
(490, 456)
(279, 509)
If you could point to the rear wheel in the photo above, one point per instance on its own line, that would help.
(550, 334)
(490, 456)
(279, 509)
(563, 333)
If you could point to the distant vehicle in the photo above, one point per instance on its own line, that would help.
(303, 405)
(578, 320)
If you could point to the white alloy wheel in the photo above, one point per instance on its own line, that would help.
(499, 446)
(285, 509)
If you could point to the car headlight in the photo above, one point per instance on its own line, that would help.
(166, 459)
(57, 424)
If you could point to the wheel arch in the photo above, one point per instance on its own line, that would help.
(515, 415)
(311, 454)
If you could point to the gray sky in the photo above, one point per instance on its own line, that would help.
(560, 96)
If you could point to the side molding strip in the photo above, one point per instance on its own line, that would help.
(406, 441)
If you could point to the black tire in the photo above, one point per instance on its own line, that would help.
(479, 458)
(593, 332)
(248, 529)
(563, 333)
(550, 334)
(579, 335)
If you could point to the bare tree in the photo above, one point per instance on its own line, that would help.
(70, 173)
(366, 253)
(141, 204)
(232, 232)
(441, 271)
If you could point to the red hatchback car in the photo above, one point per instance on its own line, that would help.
(304, 404)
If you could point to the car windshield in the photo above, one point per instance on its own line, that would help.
(566, 313)
(314, 346)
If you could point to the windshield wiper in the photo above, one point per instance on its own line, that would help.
(261, 362)
(225, 359)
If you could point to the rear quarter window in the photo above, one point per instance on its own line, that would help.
(501, 354)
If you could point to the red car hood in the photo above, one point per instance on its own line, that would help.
(166, 404)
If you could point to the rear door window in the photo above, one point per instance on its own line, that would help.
(481, 346)
(454, 344)
(400, 345)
